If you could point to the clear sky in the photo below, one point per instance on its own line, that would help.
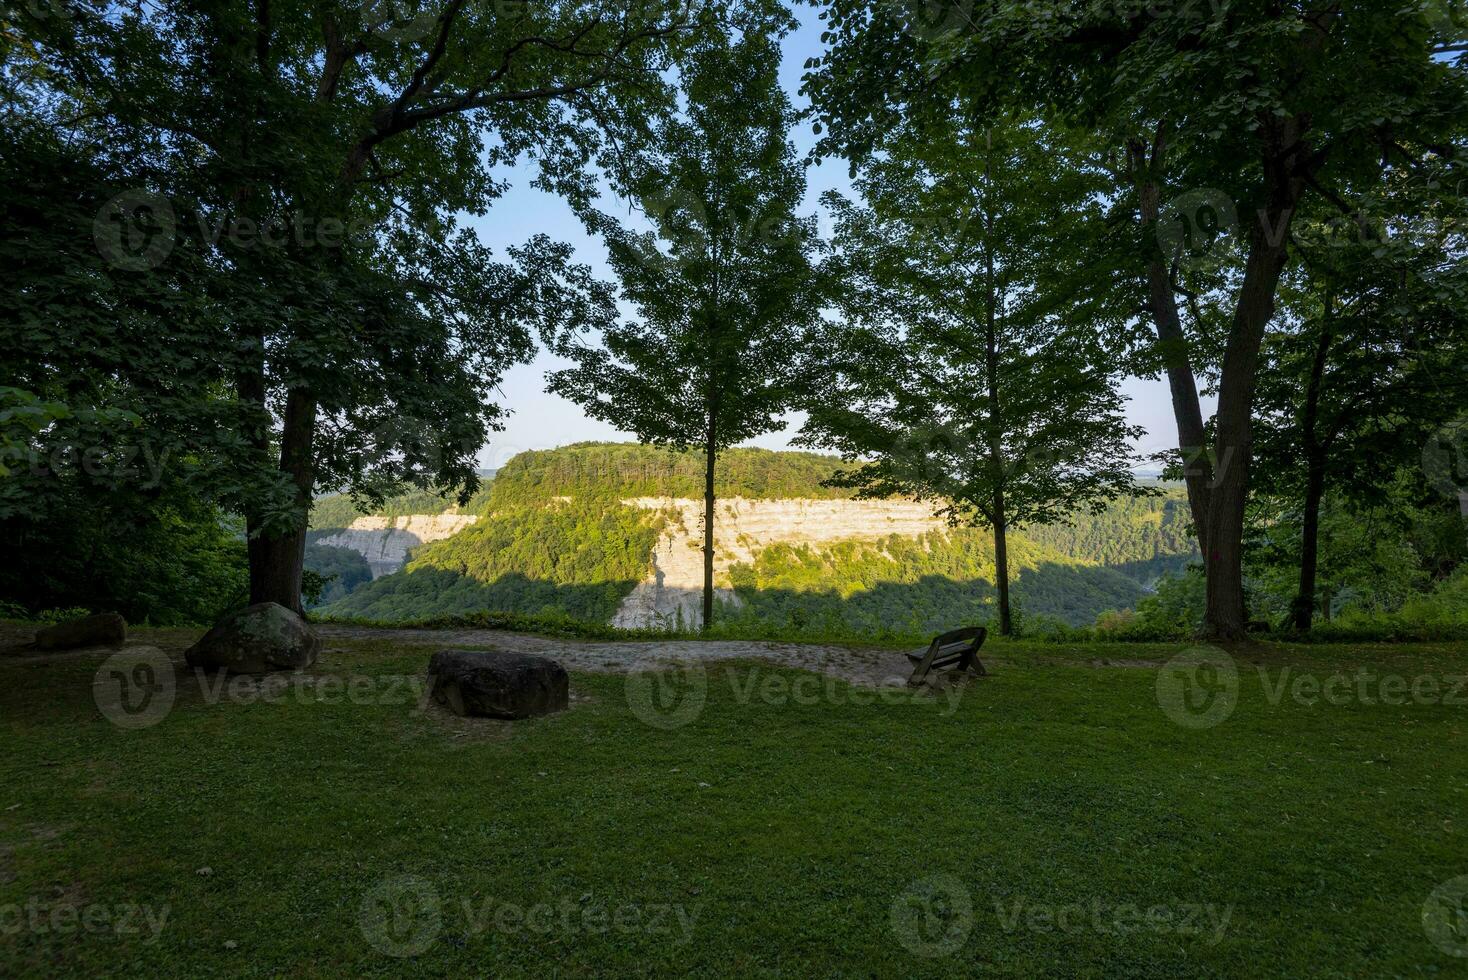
(542, 420)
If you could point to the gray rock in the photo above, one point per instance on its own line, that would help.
(256, 640)
(103, 629)
(489, 684)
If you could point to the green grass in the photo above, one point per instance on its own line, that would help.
(1320, 829)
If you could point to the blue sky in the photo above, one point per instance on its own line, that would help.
(542, 421)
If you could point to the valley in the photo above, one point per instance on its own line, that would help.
(583, 532)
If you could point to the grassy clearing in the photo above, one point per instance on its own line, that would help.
(794, 826)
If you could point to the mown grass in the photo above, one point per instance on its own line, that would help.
(785, 823)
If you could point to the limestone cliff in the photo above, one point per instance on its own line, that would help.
(386, 541)
(673, 588)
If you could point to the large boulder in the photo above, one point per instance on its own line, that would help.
(256, 640)
(103, 629)
(487, 684)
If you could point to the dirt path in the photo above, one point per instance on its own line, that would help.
(856, 665)
(866, 666)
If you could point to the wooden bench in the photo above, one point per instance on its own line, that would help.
(957, 648)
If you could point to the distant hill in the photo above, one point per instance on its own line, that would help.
(602, 469)
(337, 510)
(554, 536)
(1143, 538)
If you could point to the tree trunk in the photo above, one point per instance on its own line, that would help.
(276, 560)
(1001, 566)
(1224, 616)
(1172, 344)
(995, 427)
(1303, 607)
(708, 529)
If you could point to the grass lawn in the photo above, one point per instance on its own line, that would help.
(1051, 818)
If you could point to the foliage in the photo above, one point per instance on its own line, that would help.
(1219, 124)
(167, 559)
(967, 373)
(303, 171)
(1143, 537)
(724, 285)
(1175, 606)
(915, 585)
(960, 373)
(575, 559)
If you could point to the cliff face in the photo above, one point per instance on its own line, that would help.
(674, 587)
(386, 541)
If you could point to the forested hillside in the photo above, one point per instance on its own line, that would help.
(555, 538)
(917, 585)
(1142, 537)
(591, 469)
(568, 558)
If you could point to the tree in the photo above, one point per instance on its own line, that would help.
(724, 284)
(312, 162)
(969, 374)
(1207, 110)
(1368, 364)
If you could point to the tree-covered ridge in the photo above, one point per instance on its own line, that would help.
(621, 470)
(338, 510)
(1141, 537)
(336, 571)
(577, 559)
(917, 584)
